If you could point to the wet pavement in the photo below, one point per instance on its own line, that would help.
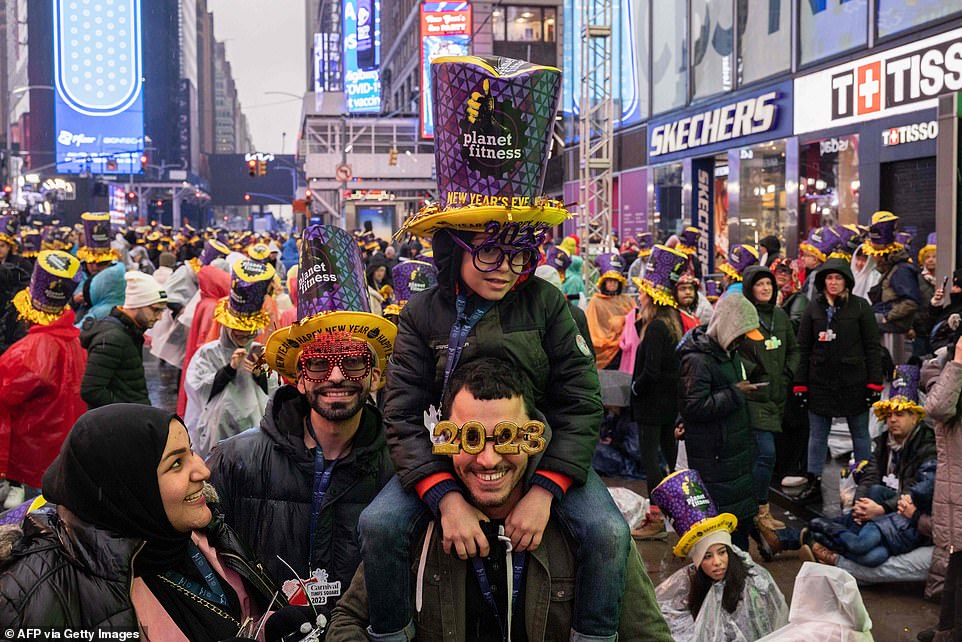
(898, 611)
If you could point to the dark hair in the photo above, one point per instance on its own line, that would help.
(487, 379)
(734, 585)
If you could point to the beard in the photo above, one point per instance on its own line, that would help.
(339, 410)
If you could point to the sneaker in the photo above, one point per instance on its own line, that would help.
(793, 481)
(652, 529)
(824, 555)
(14, 498)
(806, 554)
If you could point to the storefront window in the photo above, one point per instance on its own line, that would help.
(669, 58)
(895, 16)
(524, 24)
(712, 53)
(667, 205)
(828, 182)
(497, 23)
(761, 190)
(831, 26)
(764, 38)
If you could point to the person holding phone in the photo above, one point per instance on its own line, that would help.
(770, 364)
(226, 391)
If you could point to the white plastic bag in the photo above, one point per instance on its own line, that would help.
(633, 506)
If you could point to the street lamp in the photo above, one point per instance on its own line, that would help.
(9, 148)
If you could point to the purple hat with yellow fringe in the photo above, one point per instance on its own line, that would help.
(411, 277)
(96, 248)
(213, 249)
(820, 242)
(610, 266)
(739, 258)
(646, 241)
(665, 267)
(882, 235)
(688, 239)
(685, 501)
(494, 119)
(260, 252)
(930, 247)
(30, 242)
(903, 395)
(331, 297)
(848, 238)
(55, 277)
(10, 228)
(557, 258)
(243, 308)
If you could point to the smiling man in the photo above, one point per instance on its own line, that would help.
(496, 439)
(295, 487)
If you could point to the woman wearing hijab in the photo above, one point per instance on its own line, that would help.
(129, 542)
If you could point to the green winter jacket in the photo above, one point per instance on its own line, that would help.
(548, 595)
(115, 362)
(773, 360)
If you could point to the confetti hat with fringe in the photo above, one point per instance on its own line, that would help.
(55, 277)
(904, 394)
(96, 248)
(739, 258)
(243, 308)
(882, 235)
(685, 501)
(665, 267)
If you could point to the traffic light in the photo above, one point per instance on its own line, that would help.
(252, 167)
(143, 162)
(392, 157)
(247, 197)
(308, 197)
(131, 198)
(7, 192)
(261, 167)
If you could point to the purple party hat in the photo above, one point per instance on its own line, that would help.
(55, 277)
(243, 309)
(411, 277)
(665, 267)
(96, 248)
(685, 501)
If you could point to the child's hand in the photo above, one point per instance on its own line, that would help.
(461, 527)
(526, 522)
(906, 506)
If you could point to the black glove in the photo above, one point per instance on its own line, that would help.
(801, 396)
(872, 395)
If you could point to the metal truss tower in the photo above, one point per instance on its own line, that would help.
(595, 130)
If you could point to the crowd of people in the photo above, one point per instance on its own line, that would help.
(395, 441)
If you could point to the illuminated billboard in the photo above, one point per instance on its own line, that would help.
(362, 86)
(445, 31)
(98, 86)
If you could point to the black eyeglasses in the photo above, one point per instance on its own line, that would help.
(488, 257)
(353, 365)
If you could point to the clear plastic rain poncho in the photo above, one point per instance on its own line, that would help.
(761, 610)
(826, 606)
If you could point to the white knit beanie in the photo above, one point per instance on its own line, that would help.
(142, 290)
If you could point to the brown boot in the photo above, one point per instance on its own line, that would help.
(653, 528)
(765, 517)
(824, 555)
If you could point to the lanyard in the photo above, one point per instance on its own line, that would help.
(459, 333)
(517, 565)
(322, 480)
(214, 592)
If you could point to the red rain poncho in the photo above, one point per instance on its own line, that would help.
(40, 378)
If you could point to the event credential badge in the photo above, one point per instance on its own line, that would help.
(317, 586)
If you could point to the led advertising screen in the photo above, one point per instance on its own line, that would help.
(445, 31)
(98, 83)
(362, 86)
(366, 19)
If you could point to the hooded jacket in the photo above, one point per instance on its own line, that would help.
(835, 367)
(115, 362)
(773, 360)
(107, 290)
(265, 476)
(943, 404)
(213, 285)
(40, 378)
(718, 434)
(67, 573)
(531, 328)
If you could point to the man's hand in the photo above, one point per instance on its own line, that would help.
(865, 510)
(527, 520)
(906, 506)
(680, 432)
(746, 387)
(237, 358)
(461, 527)
(78, 298)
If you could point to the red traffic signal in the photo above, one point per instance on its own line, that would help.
(252, 167)
(143, 161)
(247, 197)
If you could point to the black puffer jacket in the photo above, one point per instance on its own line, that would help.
(265, 477)
(837, 371)
(654, 384)
(67, 573)
(918, 448)
(718, 434)
(531, 328)
(115, 362)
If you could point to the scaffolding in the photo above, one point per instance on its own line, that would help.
(595, 131)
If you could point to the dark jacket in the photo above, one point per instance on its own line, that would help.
(774, 360)
(902, 534)
(115, 362)
(918, 449)
(718, 434)
(654, 385)
(67, 573)
(265, 479)
(896, 296)
(12, 327)
(531, 328)
(794, 306)
(836, 372)
(548, 596)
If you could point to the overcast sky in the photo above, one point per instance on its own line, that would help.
(265, 46)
